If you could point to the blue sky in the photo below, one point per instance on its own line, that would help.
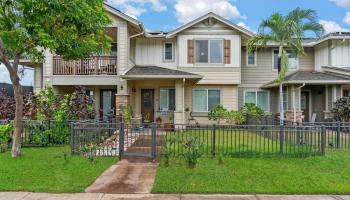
(165, 15)
(169, 14)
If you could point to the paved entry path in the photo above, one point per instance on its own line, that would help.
(130, 175)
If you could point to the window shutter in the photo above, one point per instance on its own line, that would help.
(227, 51)
(190, 51)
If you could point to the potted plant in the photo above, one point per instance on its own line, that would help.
(169, 126)
(159, 121)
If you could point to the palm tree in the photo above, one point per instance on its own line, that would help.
(286, 32)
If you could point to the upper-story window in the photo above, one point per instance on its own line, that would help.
(251, 58)
(209, 51)
(293, 60)
(168, 51)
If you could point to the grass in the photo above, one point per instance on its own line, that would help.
(46, 170)
(249, 142)
(329, 174)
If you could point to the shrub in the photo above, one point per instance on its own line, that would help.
(168, 152)
(5, 136)
(217, 113)
(252, 112)
(192, 152)
(341, 109)
(234, 117)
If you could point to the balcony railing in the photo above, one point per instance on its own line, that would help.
(96, 65)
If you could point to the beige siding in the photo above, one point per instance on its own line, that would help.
(149, 51)
(216, 75)
(321, 55)
(340, 53)
(262, 73)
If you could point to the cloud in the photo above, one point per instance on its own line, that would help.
(342, 3)
(187, 10)
(27, 79)
(135, 8)
(242, 24)
(346, 19)
(331, 26)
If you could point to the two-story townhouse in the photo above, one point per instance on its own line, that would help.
(197, 66)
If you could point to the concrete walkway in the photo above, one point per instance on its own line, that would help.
(101, 196)
(132, 175)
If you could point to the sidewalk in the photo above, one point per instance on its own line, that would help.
(102, 196)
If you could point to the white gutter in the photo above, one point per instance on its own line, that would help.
(132, 36)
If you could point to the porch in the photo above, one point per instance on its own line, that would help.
(308, 95)
(157, 94)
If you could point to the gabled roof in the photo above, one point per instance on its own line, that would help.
(149, 72)
(311, 77)
(124, 16)
(210, 15)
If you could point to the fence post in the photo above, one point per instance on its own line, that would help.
(121, 140)
(213, 140)
(71, 138)
(323, 140)
(338, 134)
(281, 140)
(154, 140)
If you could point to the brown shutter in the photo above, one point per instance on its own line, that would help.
(190, 51)
(227, 51)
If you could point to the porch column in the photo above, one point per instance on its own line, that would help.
(294, 114)
(328, 102)
(179, 114)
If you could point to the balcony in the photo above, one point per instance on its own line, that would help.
(96, 65)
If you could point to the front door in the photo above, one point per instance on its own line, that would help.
(107, 103)
(147, 105)
(305, 105)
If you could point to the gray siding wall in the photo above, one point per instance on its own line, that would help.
(262, 73)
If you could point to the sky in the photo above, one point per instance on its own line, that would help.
(166, 15)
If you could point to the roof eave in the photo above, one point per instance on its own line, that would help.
(210, 14)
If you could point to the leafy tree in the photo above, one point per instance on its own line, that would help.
(234, 117)
(341, 109)
(70, 28)
(252, 111)
(285, 31)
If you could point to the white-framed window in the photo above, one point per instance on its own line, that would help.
(168, 51)
(204, 100)
(209, 51)
(293, 60)
(251, 58)
(167, 99)
(258, 97)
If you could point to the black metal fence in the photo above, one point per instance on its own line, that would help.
(250, 140)
(112, 139)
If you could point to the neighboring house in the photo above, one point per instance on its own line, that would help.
(197, 66)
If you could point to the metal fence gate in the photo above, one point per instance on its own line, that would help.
(116, 139)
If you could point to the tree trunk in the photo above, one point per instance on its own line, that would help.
(16, 138)
(281, 104)
(279, 65)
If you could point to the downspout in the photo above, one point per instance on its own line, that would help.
(183, 100)
(294, 109)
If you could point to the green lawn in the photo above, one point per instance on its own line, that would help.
(250, 142)
(329, 174)
(46, 170)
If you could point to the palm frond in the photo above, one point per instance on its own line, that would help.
(259, 41)
(284, 68)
